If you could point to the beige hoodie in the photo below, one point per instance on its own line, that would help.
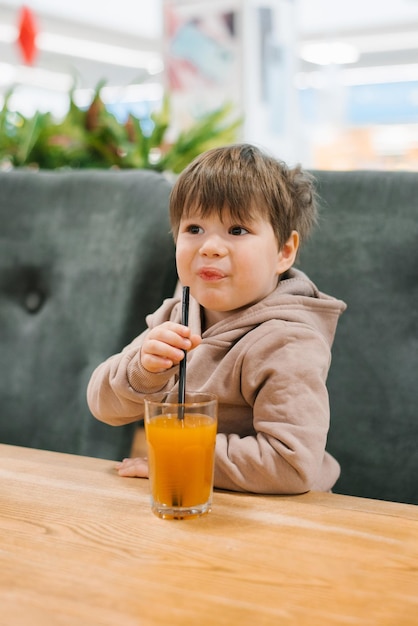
(268, 366)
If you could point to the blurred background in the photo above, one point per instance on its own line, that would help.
(332, 85)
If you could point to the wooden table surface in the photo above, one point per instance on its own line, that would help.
(80, 546)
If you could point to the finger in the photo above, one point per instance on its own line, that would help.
(154, 363)
(137, 467)
(164, 350)
(172, 334)
(130, 461)
(196, 340)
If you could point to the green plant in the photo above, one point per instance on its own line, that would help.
(94, 138)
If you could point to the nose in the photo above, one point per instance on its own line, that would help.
(213, 246)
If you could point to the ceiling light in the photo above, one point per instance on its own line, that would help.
(96, 51)
(7, 74)
(329, 53)
(407, 72)
(35, 76)
(128, 93)
(349, 77)
(92, 50)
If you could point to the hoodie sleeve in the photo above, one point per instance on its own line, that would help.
(117, 386)
(284, 379)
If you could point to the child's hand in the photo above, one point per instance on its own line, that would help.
(165, 345)
(137, 468)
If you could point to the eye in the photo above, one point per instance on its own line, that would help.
(194, 229)
(238, 230)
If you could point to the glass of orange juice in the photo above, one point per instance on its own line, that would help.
(181, 453)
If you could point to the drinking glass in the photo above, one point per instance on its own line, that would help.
(181, 452)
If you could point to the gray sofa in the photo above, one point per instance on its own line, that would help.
(84, 256)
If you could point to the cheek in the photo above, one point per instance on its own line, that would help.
(259, 267)
(179, 251)
(183, 259)
(257, 258)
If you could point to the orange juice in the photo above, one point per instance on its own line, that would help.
(181, 459)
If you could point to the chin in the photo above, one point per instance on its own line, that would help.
(214, 304)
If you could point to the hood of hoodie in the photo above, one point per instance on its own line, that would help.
(296, 299)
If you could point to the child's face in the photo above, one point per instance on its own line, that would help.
(229, 265)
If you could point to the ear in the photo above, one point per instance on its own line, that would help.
(287, 254)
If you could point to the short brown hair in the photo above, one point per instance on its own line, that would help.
(247, 183)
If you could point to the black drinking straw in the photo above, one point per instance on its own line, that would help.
(183, 362)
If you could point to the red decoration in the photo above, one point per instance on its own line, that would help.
(27, 35)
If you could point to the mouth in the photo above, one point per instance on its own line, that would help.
(210, 274)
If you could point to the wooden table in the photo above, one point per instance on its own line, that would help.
(80, 546)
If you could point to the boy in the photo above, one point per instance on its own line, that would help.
(260, 332)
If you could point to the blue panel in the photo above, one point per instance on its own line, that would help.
(389, 103)
(383, 103)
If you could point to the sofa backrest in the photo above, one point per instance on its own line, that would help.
(84, 256)
(365, 251)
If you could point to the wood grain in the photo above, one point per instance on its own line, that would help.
(80, 546)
